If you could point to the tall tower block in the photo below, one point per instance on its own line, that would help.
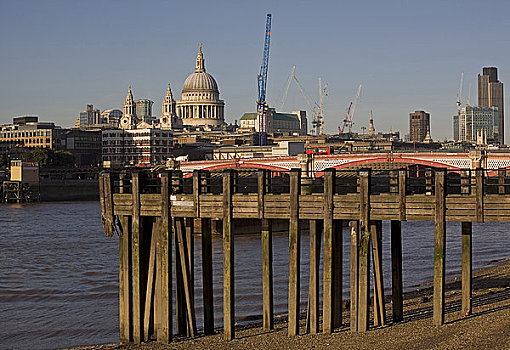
(490, 94)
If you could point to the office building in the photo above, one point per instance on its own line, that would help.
(419, 126)
(89, 116)
(144, 110)
(293, 123)
(28, 132)
(111, 117)
(490, 94)
(476, 121)
(136, 146)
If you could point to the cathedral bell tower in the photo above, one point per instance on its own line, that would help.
(129, 119)
(168, 119)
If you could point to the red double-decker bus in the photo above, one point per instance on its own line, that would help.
(319, 150)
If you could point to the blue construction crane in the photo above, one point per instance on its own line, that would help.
(262, 82)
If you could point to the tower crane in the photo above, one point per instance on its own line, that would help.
(262, 85)
(459, 95)
(286, 91)
(349, 113)
(316, 109)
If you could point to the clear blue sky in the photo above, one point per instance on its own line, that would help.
(57, 56)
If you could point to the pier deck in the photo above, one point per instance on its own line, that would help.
(154, 215)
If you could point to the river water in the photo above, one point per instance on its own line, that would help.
(59, 273)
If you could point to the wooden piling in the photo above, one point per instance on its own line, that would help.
(379, 309)
(207, 277)
(138, 283)
(439, 249)
(354, 276)
(190, 231)
(181, 327)
(294, 252)
(396, 264)
(479, 194)
(228, 257)
(165, 331)
(186, 275)
(328, 297)
(466, 268)
(267, 275)
(313, 294)
(337, 269)
(148, 325)
(363, 249)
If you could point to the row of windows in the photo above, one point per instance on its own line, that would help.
(145, 134)
(17, 133)
(107, 151)
(31, 140)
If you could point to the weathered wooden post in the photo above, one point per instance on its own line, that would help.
(313, 295)
(479, 177)
(363, 248)
(354, 275)
(466, 268)
(228, 257)
(379, 309)
(328, 297)
(439, 248)
(501, 181)
(396, 251)
(396, 264)
(294, 252)
(338, 268)
(200, 186)
(466, 230)
(138, 285)
(165, 330)
(267, 255)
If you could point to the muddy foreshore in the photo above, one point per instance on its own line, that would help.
(487, 328)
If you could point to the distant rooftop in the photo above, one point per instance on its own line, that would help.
(276, 116)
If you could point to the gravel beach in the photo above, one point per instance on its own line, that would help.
(487, 328)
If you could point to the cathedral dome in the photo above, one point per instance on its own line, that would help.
(200, 80)
(200, 105)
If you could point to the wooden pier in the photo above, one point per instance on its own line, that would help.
(154, 215)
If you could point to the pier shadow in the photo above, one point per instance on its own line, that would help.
(487, 290)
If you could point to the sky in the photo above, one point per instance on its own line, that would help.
(58, 56)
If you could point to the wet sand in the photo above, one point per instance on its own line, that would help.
(487, 328)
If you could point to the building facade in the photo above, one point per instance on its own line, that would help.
(490, 94)
(136, 146)
(144, 110)
(295, 122)
(419, 126)
(85, 145)
(474, 122)
(27, 131)
(200, 104)
(111, 117)
(89, 116)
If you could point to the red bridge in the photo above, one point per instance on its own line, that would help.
(318, 163)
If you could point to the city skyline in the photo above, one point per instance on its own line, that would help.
(407, 56)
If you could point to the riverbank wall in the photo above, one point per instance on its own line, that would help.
(69, 190)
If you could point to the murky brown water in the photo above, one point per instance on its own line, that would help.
(58, 272)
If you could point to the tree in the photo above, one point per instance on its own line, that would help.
(38, 155)
(47, 157)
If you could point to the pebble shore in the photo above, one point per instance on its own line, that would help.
(487, 328)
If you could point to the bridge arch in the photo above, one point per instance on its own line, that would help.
(390, 159)
(244, 164)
